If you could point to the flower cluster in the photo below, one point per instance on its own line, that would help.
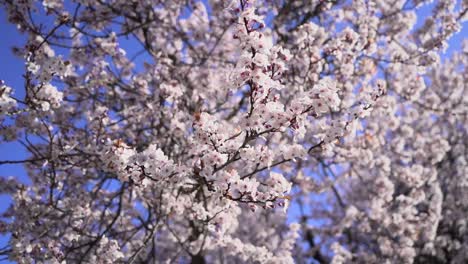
(7, 103)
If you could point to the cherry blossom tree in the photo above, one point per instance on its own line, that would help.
(189, 144)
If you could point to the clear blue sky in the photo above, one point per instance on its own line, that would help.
(11, 69)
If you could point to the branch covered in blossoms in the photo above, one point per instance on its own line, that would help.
(241, 131)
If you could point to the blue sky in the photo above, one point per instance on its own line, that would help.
(12, 67)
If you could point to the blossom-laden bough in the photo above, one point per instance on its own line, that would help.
(181, 131)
